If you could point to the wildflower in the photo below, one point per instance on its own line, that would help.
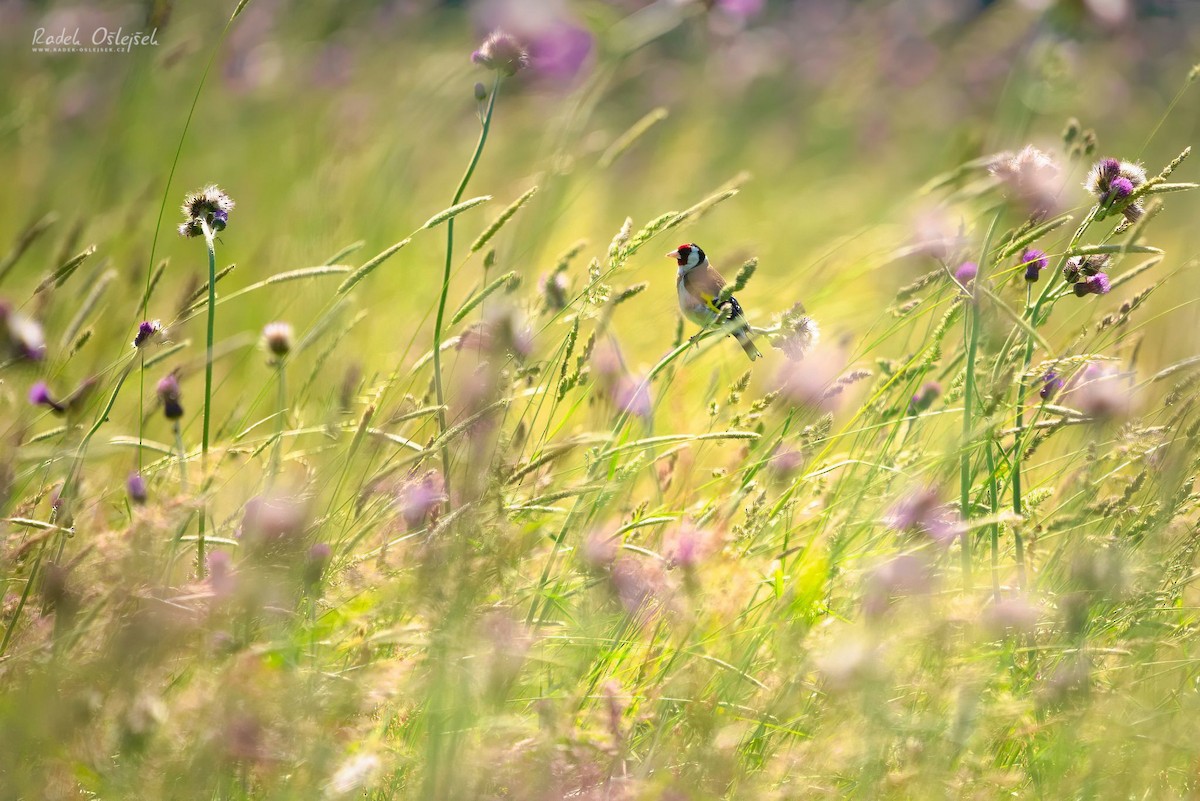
(316, 563)
(815, 383)
(929, 392)
(1112, 182)
(272, 521)
(560, 50)
(903, 575)
(1031, 178)
(966, 272)
(1034, 262)
(135, 485)
(1085, 265)
(503, 53)
(277, 337)
(922, 511)
(1051, 384)
(1097, 284)
(420, 498)
(553, 288)
(798, 333)
(220, 574)
(1100, 394)
(632, 395)
(168, 395)
(39, 395)
(146, 329)
(209, 205)
(1016, 615)
(480, 92)
(22, 336)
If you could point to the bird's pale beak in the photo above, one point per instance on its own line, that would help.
(674, 254)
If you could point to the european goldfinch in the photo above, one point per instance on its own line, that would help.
(699, 285)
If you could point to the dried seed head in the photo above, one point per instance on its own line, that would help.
(210, 205)
(501, 52)
(798, 333)
(1030, 178)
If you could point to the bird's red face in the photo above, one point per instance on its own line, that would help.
(688, 255)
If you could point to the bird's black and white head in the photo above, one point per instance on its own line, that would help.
(687, 256)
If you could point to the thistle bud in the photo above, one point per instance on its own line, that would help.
(480, 92)
(135, 485)
(168, 395)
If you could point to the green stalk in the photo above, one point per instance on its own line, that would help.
(183, 482)
(441, 312)
(994, 497)
(208, 377)
(281, 405)
(1032, 311)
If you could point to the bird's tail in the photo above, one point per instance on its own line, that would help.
(742, 335)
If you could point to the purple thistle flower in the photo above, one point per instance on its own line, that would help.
(316, 562)
(1097, 284)
(168, 394)
(560, 51)
(39, 395)
(501, 52)
(1051, 384)
(924, 398)
(922, 511)
(966, 272)
(1120, 188)
(135, 485)
(1035, 261)
(146, 329)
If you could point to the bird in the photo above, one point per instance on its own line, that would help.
(699, 287)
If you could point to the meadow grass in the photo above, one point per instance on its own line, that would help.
(479, 516)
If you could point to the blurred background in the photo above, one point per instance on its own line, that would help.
(335, 122)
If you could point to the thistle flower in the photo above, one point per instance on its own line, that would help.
(39, 395)
(503, 53)
(277, 338)
(1034, 261)
(1051, 383)
(922, 511)
(210, 205)
(1100, 393)
(1112, 181)
(1029, 177)
(966, 272)
(168, 395)
(146, 330)
(22, 336)
(316, 562)
(798, 333)
(929, 392)
(1097, 284)
(420, 499)
(135, 485)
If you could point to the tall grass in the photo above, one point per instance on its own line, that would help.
(546, 543)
